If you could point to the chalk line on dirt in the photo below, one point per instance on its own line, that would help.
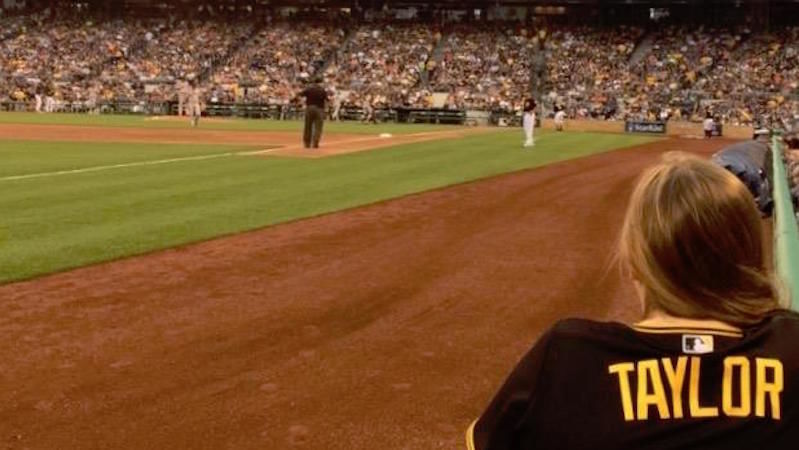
(300, 147)
(454, 133)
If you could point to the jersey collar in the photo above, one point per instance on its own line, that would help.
(668, 324)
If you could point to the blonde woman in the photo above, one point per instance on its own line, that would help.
(712, 364)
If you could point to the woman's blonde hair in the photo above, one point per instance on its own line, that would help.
(692, 236)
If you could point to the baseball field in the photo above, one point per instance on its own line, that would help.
(223, 288)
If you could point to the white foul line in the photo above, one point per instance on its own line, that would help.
(115, 166)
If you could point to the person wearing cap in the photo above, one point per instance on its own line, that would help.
(750, 161)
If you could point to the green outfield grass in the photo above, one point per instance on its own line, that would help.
(56, 222)
(232, 124)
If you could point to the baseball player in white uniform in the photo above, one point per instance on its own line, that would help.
(49, 104)
(91, 103)
(195, 104)
(184, 91)
(338, 100)
(368, 111)
(560, 119)
(528, 122)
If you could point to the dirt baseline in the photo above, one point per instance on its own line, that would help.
(275, 143)
(383, 327)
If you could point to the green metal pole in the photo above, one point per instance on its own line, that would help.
(786, 232)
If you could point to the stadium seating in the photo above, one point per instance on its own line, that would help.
(741, 76)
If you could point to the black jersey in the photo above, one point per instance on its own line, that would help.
(592, 385)
(314, 95)
(529, 105)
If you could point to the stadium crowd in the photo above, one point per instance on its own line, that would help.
(587, 72)
(672, 73)
(383, 64)
(761, 79)
(276, 60)
(168, 52)
(81, 61)
(484, 67)
(59, 60)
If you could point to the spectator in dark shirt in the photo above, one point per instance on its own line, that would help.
(750, 161)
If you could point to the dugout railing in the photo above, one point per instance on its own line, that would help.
(116, 107)
(786, 230)
(253, 111)
(381, 114)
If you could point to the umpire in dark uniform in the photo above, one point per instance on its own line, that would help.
(315, 102)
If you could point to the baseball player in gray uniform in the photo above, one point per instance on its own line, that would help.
(560, 119)
(195, 104)
(91, 102)
(184, 90)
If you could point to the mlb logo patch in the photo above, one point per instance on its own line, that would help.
(697, 344)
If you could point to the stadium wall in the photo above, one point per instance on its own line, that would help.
(672, 128)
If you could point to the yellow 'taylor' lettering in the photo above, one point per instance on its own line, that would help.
(675, 377)
(649, 373)
(736, 394)
(730, 365)
(773, 388)
(696, 409)
(624, 370)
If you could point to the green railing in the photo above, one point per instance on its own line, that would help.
(786, 232)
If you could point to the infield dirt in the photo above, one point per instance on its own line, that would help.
(383, 327)
(282, 143)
